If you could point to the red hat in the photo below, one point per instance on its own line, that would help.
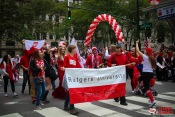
(94, 48)
(149, 51)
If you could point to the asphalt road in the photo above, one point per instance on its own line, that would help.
(137, 105)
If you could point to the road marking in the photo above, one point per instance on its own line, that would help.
(10, 103)
(172, 93)
(145, 100)
(131, 107)
(158, 83)
(99, 111)
(54, 112)
(12, 115)
(165, 97)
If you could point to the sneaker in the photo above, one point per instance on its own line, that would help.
(15, 94)
(116, 99)
(152, 104)
(38, 108)
(133, 91)
(22, 91)
(33, 101)
(5, 95)
(66, 108)
(73, 112)
(45, 101)
(124, 103)
(41, 104)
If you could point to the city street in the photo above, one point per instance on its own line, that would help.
(137, 105)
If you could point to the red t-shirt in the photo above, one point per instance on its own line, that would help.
(117, 59)
(70, 62)
(24, 61)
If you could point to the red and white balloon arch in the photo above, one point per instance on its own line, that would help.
(112, 22)
(154, 2)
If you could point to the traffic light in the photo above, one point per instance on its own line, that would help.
(69, 15)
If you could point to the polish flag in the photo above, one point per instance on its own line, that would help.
(34, 43)
(80, 59)
(88, 85)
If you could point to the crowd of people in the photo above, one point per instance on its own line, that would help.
(42, 67)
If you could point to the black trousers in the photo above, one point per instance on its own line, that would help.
(146, 80)
(6, 80)
(26, 79)
(159, 73)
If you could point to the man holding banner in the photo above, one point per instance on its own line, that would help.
(118, 58)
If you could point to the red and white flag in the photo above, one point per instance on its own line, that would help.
(34, 43)
(80, 59)
(87, 85)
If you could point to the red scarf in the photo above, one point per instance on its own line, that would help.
(40, 64)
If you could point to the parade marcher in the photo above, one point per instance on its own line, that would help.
(70, 61)
(49, 78)
(173, 67)
(24, 63)
(159, 71)
(17, 63)
(7, 65)
(111, 50)
(166, 64)
(60, 92)
(93, 60)
(37, 67)
(118, 58)
(147, 72)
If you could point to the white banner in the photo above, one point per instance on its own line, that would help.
(36, 43)
(166, 12)
(78, 78)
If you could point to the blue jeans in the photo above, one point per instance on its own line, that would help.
(66, 103)
(40, 91)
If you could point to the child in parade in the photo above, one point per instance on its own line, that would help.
(147, 71)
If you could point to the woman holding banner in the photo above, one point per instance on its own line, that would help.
(70, 61)
(147, 72)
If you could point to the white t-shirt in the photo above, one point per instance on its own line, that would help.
(146, 64)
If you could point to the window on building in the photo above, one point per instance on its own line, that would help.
(50, 36)
(56, 18)
(10, 43)
(54, 44)
(11, 53)
(50, 17)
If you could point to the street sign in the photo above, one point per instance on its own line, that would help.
(146, 25)
(166, 12)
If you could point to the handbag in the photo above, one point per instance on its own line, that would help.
(53, 74)
(39, 80)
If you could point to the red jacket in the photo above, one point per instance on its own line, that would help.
(24, 61)
(117, 59)
(93, 63)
